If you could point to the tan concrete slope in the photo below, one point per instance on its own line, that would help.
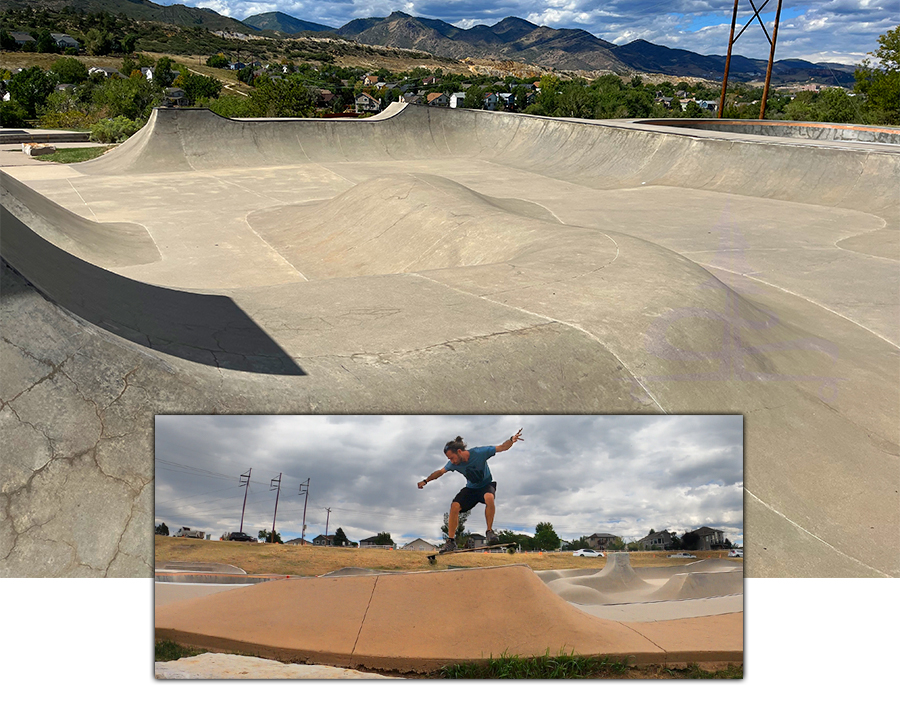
(421, 621)
(406, 264)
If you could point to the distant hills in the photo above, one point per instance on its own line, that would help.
(512, 39)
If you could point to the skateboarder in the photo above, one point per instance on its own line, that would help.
(480, 486)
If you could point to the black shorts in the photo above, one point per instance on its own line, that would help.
(468, 498)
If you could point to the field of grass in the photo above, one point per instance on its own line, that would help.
(318, 560)
(72, 155)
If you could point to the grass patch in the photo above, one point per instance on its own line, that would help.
(73, 155)
(170, 651)
(572, 666)
(546, 666)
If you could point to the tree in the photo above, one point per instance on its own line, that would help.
(162, 530)
(97, 42)
(45, 43)
(197, 87)
(545, 537)
(461, 534)
(70, 70)
(881, 84)
(340, 538)
(384, 539)
(281, 98)
(217, 62)
(30, 88)
(267, 536)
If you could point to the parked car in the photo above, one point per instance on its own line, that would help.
(736, 553)
(587, 553)
(240, 536)
(682, 555)
(186, 532)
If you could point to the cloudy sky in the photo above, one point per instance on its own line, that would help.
(622, 475)
(841, 31)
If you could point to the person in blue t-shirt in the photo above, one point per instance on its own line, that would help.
(480, 486)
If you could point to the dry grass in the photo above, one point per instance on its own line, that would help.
(317, 560)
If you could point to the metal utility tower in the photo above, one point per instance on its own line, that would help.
(304, 493)
(244, 482)
(732, 39)
(275, 484)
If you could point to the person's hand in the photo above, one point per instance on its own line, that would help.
(421, 484)
(517, 437)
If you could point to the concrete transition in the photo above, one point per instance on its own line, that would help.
(418, 622)
(435, 261)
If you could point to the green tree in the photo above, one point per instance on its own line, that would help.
(834, 105)
(45, 43)
(269, 537)
(461, 534)
(163, 75)
(198, 87)
(881, 84)
(340, 538)
(474, 97)
(384, 539)
(70, 70)
(217, 62)
(162, 530)
(576, 100)
(98, 42)
(693, 110)
(281, 98)
(131, 97)
(7, 43)
(545, 537)
(30, 89)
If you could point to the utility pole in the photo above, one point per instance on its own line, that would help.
(304, 493)
(275, 484)
(732, 39)
(245, 483)
(327, 517)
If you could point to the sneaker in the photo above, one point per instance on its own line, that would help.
(449, 546)
(491, 537)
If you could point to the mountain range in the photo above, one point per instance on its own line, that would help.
(512, 39)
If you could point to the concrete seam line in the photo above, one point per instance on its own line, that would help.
(78, 193)
(554, 320)
(800, 296)
(363, 622)
(809, 533)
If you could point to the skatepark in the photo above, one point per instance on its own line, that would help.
(417, 622)
(453, 261)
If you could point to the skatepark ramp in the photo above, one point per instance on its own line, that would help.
(422, 621)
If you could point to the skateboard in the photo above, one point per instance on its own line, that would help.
(433, 556)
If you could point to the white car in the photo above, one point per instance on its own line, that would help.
(587, 553)
(736, 553)
(682, 555)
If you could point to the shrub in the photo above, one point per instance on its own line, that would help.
(117, 129)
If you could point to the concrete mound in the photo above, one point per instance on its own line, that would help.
(410, 223)
(408, 622)
(692, 586)
(617, 576)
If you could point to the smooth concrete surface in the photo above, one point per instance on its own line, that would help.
(453, 261)
(411, 622)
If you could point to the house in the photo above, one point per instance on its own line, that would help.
(709, 539)
(457, 100)
(370, 543)
(710, 105)
(438, 100)
(64, 41)
(175, 97)
(419, 545)
(491, 100)
(236, 66)
(64, 87)
(370, 80)
(22, 38)
(657, 541)
(601, 541)
(297, 542)
(367, 104)
(324, 540)
(410, 98)
(324, 97)
(476, 541)
(105, 71)
(147, 72)
(431, 80)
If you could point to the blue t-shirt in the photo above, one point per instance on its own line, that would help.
(477, 472)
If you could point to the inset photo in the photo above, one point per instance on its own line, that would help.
(315, 547)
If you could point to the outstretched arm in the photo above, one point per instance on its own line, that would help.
(509, 443)
(433, 476)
